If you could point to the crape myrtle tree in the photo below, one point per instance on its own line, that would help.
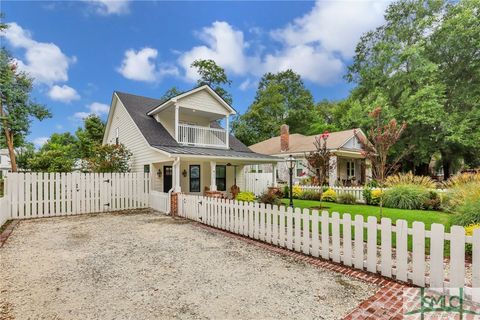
(378, 148)
(109, 158)
(16, 107)
(319, 164)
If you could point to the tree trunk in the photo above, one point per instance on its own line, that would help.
(446, 164)
(11, 150)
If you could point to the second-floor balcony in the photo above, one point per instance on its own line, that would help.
(202, 136)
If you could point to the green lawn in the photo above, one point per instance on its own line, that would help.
(427, 217)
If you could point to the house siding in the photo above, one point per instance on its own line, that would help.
(131, 138)
(202, 100)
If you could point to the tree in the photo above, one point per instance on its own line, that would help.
(16, 107)
(109, 158)
(170, 93)
(423, 66)
(24, 154)
(377, 148)
(214, 76)
(90, 136)
(58, 154)
(281, 98)
(318, 161)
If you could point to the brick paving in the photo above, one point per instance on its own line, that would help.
(386, 303)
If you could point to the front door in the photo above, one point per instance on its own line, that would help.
(167, 178)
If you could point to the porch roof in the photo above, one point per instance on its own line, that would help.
(210, 152)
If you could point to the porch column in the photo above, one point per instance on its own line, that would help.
(176, 175)
(368, 170)
(227, 128)
(176, 122)
(213, 176)
(333, 171)
(274, 174)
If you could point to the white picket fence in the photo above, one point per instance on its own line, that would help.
(258, 183)
(342, 239)
(160, 201)
(31, 195)
(4, 210)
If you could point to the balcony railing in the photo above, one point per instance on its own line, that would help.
(201, 136)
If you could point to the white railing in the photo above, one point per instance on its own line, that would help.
(160, 201)
(201, 136)
(324, 238)
(33, 195)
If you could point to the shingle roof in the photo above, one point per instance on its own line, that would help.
(196, 151)
(156, 134)
(299, 143)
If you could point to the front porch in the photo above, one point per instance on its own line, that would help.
(201, 176)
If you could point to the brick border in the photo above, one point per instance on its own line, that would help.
(7, 231)
(386, 303)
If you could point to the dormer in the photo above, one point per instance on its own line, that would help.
(192, 117)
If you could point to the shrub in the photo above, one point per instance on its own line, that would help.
(433, 202)
(410, 179)
(270, 198)
(297, 191)
(367, 195)
(310, 195)
(346, 198)
(329, 195)
(469, 230)
(459, 194)
(245, 196)
(405, 197)
(462, 179)
(286, 191)
(277, 192)
(377, 194)
(468, 213)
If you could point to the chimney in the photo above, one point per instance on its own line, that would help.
(284, 138)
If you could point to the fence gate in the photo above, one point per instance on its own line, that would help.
(257, 183)
(33, 195)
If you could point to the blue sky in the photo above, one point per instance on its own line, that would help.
(81, 51)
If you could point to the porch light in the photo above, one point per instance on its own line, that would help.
(184, 173)
(291, 162)
(159, 173)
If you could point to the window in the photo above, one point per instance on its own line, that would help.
(117, 142)
(221, 178)
(195, 178)
(146, 168)
(299, 168)
(350, 168)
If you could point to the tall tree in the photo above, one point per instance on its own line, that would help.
(280, 98)
(90, 136)
(58, 154)
(422, 65)
(16, 107)
(213, 75)
(170, 93)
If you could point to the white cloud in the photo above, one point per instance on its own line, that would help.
(40, 141)
(45, 62)
(110, 7)
(63, 93)
(96, 108)
(247, 84)
(336, 25)
(224, 45)
(317, 45)
(141, 66)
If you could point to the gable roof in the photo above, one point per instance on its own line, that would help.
(156, 134)
(163, 104)
(299, 143)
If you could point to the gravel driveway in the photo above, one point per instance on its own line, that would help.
(147, 266)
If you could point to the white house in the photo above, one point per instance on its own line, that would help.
(5, 165)
(181, 142)
(348, 165)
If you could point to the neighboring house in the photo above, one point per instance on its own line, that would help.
(348, 166)
(180, 141)
(5, 165)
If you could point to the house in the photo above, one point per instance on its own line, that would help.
(181, 141)
(5, 165)
(348, 165)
